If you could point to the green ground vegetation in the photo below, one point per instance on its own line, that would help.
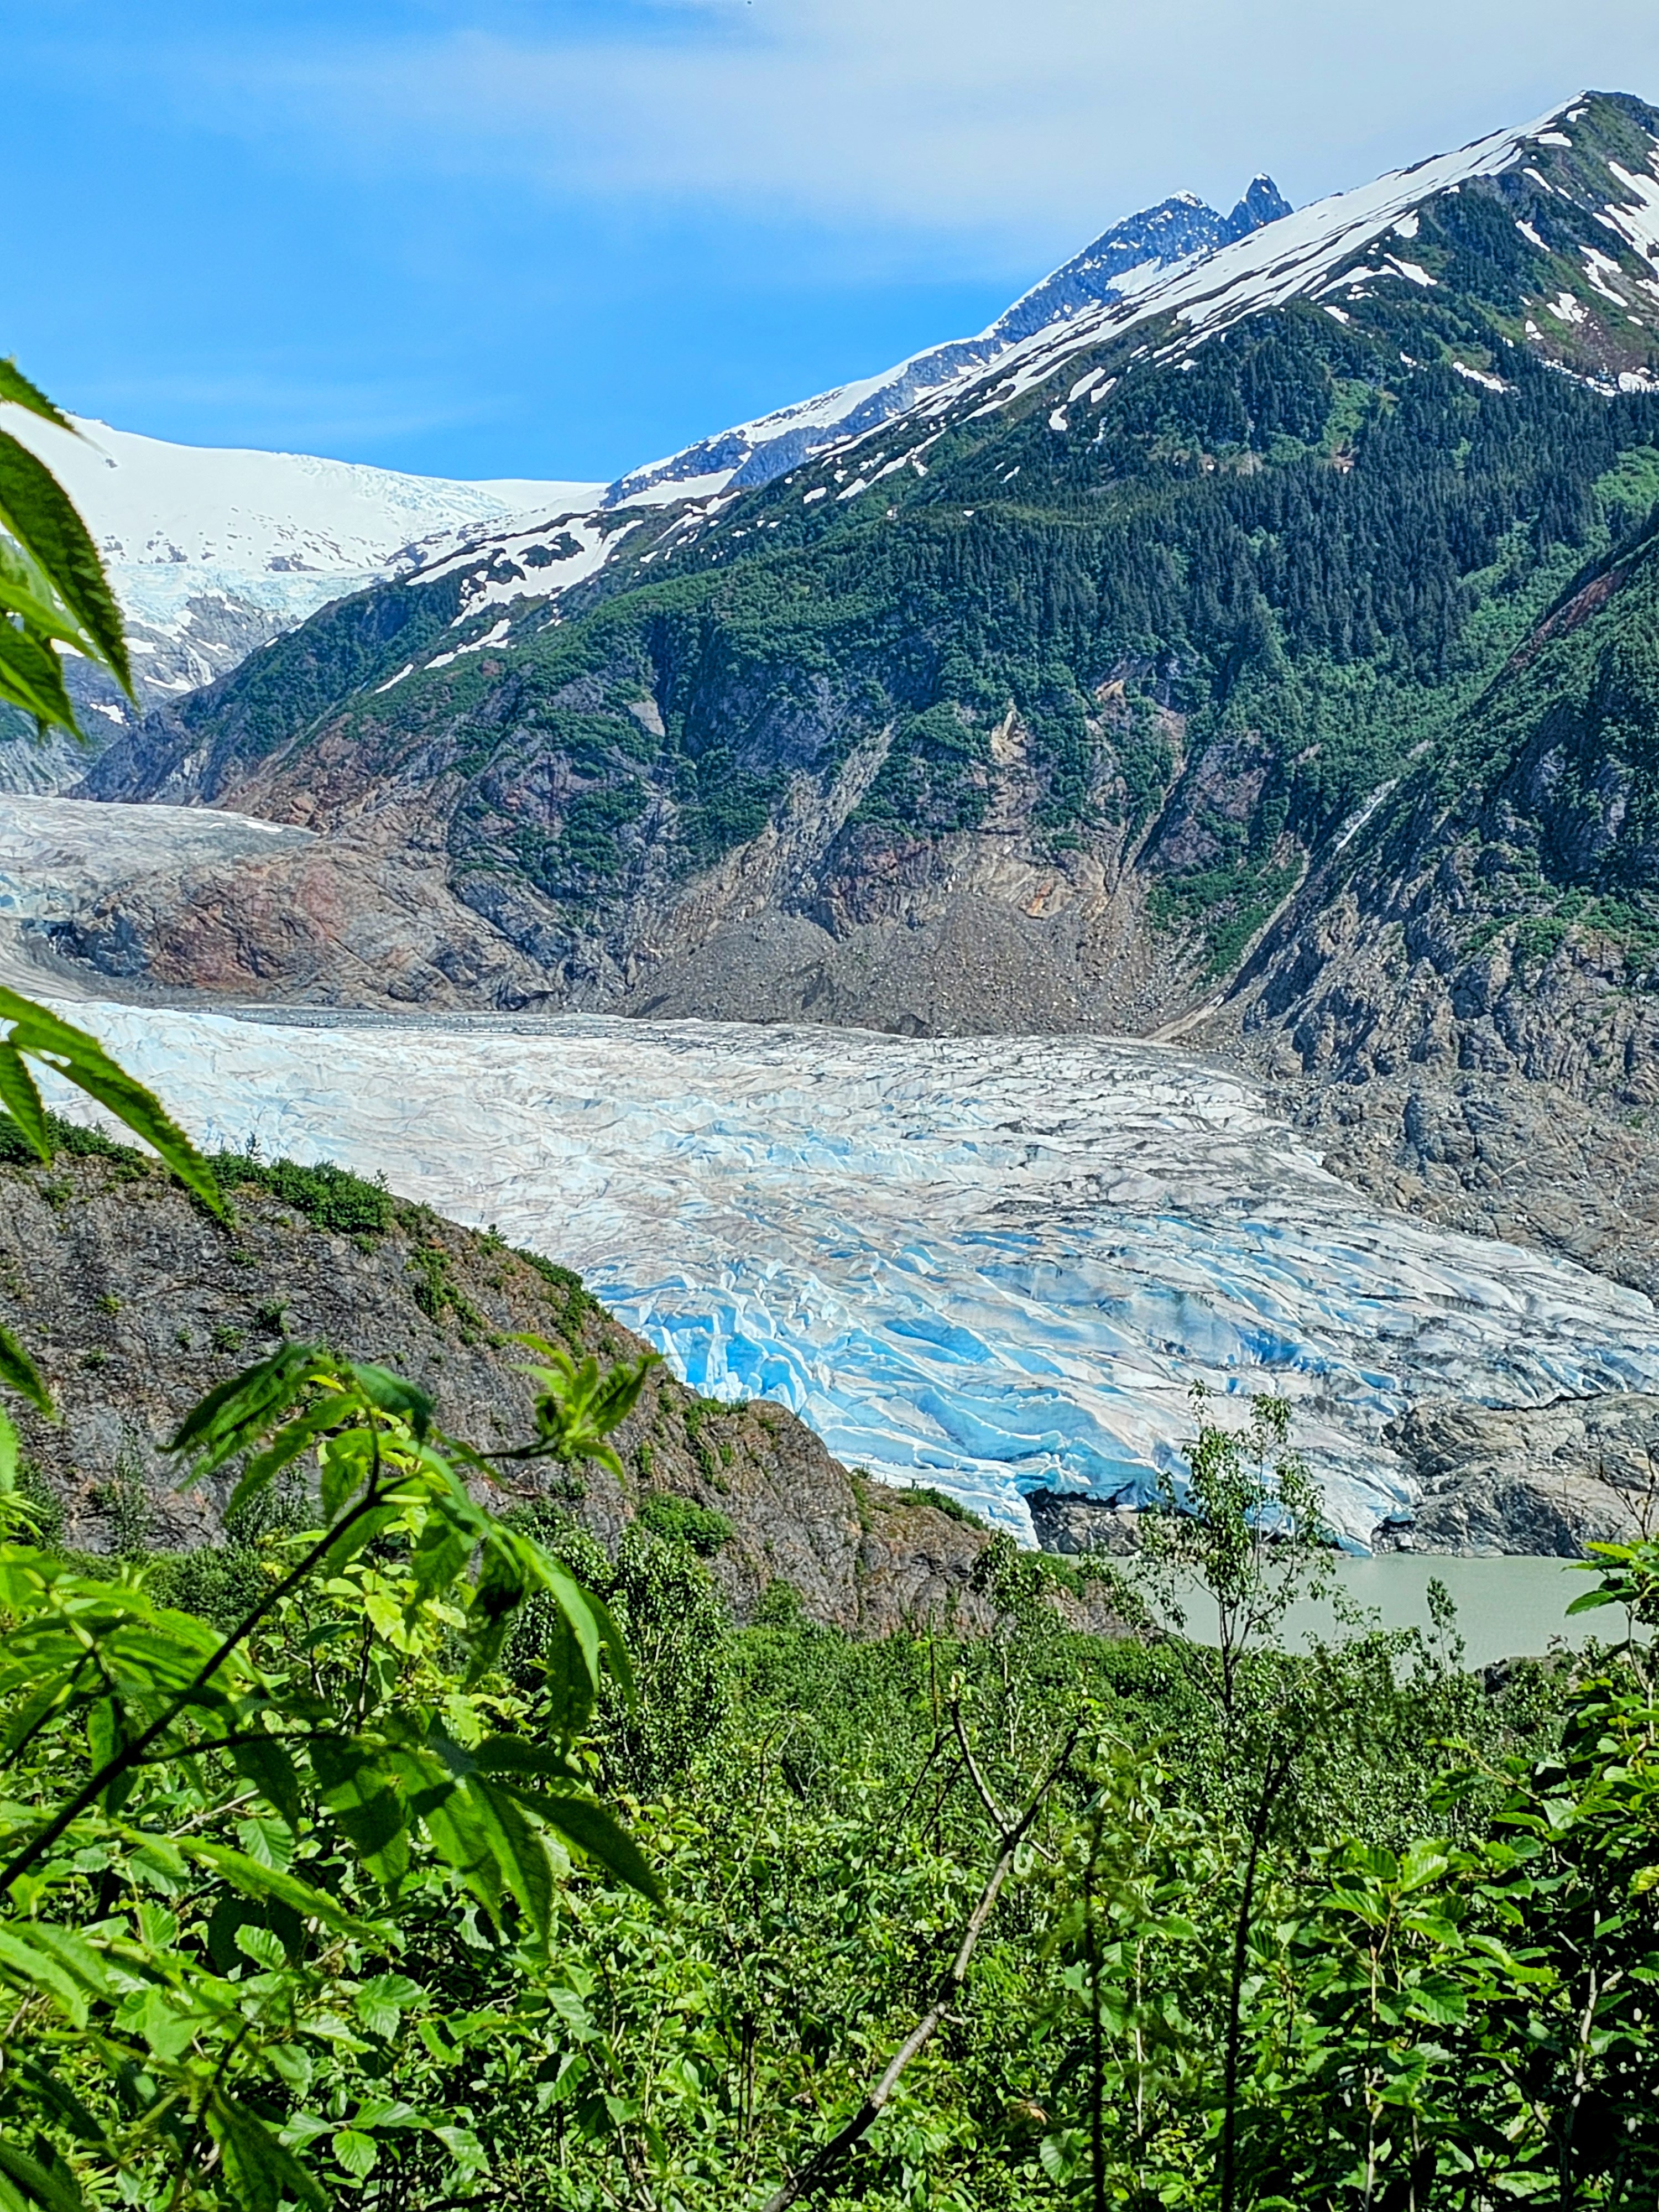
(1346, 1929)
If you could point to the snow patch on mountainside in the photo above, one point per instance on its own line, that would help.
(283, 531)
(1262, 256)
(1289, 259)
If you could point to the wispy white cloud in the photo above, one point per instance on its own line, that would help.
(1006, 122)
(279, 406)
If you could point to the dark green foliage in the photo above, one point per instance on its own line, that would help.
(438, 1293)
(578, 1307)
(722, 804)
(933, 780)
(1227, 906)
(1444, 1883)
(331, 1197)
(1547, 786)
(942, 1502)
(683, 1521)
(587, 850)
(69, 1137)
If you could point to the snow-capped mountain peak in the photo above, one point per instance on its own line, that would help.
(755, 452)
(212, 552)
(1261, 267)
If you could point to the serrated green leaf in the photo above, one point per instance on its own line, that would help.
(261, 2170)
(168, 2032)
(256, 1880)
(142, 1113)
(26, 590)
(21, 1101)
(264, 1761)
(53, 2187)
(32, 677)
(79, 1058)
(382, 2003)
(370, 1811)
(17, 390)
(35, 510)
(592, 1829)
(269, 1841)
(286, 1446)
(355, 1535)
(348, 1461)
(478, 1828)
(511, 1754)
(234, 1415)
(356, 2152)
(262, 1945)
(10, 1461)
(27, 1962)
(391, 1394)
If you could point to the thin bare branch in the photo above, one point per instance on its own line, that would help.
(830, 2156)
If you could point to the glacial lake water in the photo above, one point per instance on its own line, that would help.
(1507, 1608)
(984, 1263)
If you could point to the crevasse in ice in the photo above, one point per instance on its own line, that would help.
(987, 1264)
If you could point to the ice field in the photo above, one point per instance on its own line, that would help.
(987, 1264)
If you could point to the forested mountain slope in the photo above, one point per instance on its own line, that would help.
(213, 551)
(1503, 914)
(1029, 708)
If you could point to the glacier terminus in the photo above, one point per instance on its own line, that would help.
(991, 1265)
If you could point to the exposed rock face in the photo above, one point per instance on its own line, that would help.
(820, 917)
(337, 921)
(1381, 978)
(1494, 1157)
(1075, 1526)
(1547, 1481)
(135, 1303)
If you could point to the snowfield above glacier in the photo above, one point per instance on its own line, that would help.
(992, 1265)
(213, 552)
(287, 531)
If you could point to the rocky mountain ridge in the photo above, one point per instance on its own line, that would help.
(1121, 261)
(1033, 707)
(213, 553)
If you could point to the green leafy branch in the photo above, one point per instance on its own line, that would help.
(53, 591)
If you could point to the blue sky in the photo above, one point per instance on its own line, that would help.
(558, 237)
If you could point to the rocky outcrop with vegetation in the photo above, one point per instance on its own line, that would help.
(135, 1303)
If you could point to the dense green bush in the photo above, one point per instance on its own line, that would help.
(331, 1197)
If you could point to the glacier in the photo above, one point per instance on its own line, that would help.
(211, 552)
(285, 531)
(989, 1264)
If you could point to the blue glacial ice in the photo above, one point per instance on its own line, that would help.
(987, 1264)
